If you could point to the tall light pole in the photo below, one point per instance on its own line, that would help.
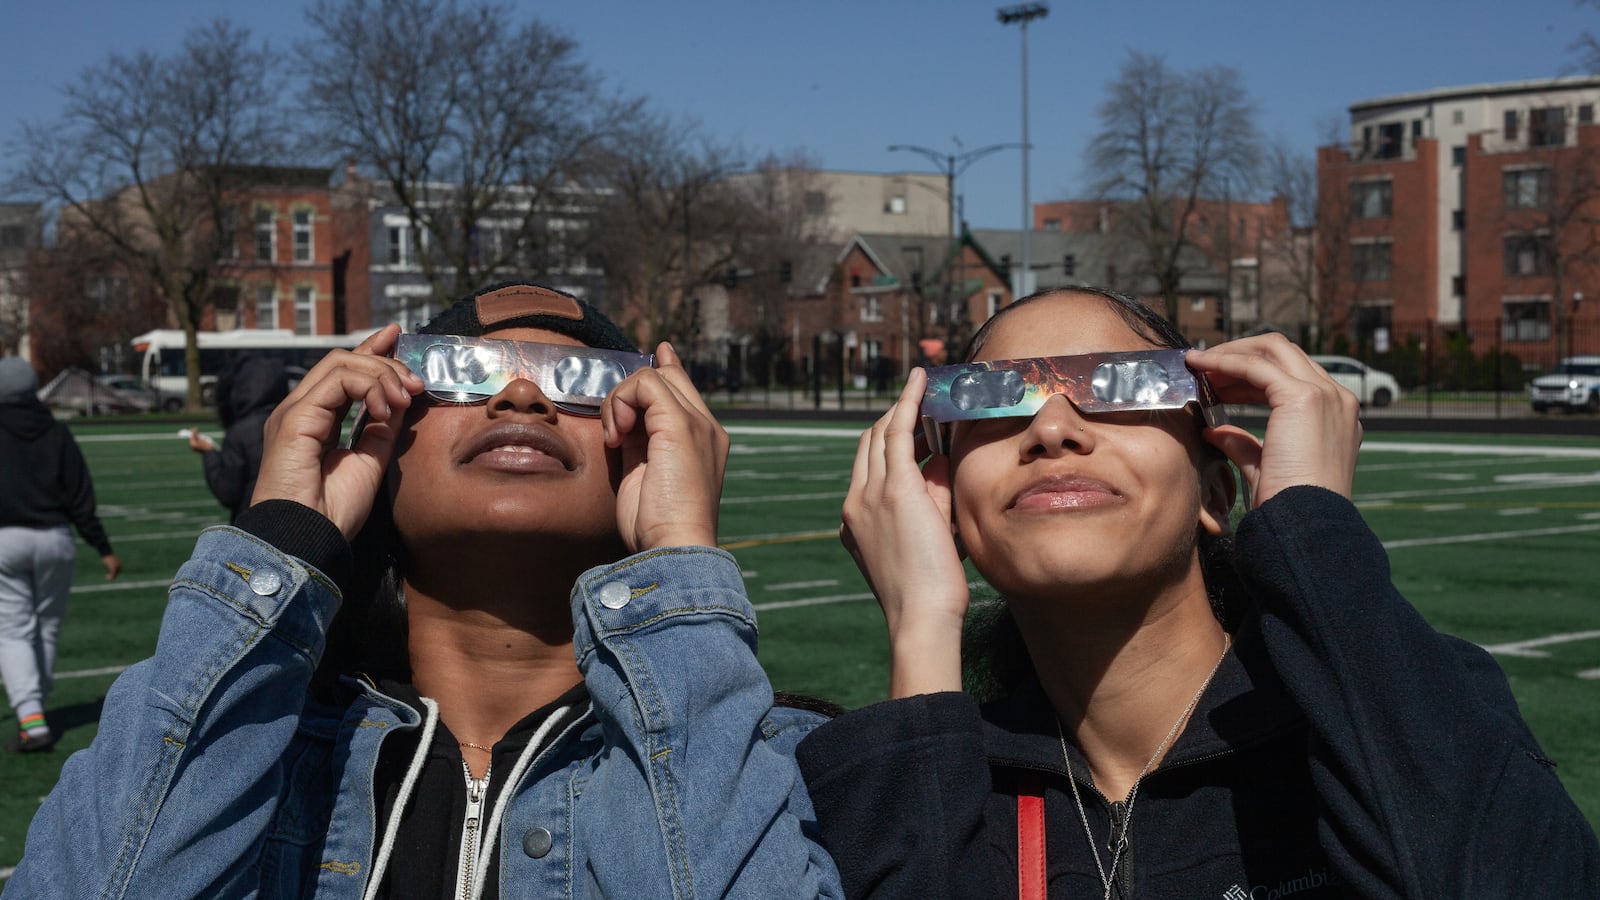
(1021, 15)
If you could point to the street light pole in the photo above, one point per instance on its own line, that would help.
(1021, 15)
(954, 164)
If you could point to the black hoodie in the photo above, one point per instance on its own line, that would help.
(244, 401)
(44, 481)
(1344, 749)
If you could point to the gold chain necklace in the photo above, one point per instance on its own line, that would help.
(1108, 877)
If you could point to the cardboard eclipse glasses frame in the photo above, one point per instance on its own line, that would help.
(458, 369)
(1094, 383)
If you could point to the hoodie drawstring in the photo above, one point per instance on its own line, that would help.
(429, 723)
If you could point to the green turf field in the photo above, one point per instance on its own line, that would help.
(1494, 539)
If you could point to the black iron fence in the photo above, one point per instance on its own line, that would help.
(1478, 371)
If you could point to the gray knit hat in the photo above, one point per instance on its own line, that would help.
(17, 378)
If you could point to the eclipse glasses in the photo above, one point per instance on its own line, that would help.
(1094, 383)
(457, 369)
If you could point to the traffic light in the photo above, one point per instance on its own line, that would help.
(785, 272)
(730, 278)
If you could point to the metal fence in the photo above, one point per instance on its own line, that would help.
(1477, 371)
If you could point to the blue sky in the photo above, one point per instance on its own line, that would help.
(843, 80)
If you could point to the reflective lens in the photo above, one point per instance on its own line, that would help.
(987, 390)
(460, 369)
(1094, 383)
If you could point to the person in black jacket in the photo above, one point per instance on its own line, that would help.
(44, 487)
(245, 398)
(1174, 717)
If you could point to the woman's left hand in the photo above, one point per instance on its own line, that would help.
(673, 455)
(1313, 425)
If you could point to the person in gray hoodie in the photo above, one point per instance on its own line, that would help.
(44, 488)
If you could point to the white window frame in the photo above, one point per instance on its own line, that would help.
(304, 235)
(398, 253)
(1526, 329)
(266, 306)
(267, 229)
(305, 303)
(871, 308)
(993, 304)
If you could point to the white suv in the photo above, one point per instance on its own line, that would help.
(1575, 384)
(1371, 386)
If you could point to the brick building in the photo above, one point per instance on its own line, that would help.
(1244, 243)
(1465, 215)
(281, 272)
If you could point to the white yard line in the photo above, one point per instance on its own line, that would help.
(121, 586)
(92, 673)
(801, 585)
(1587, 480)
(1481, 449)
(811, 601)
(1488, 536)
(1526, 648)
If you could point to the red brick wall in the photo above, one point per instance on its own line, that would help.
(1574, 209)
(1411, 230)
(250, 273)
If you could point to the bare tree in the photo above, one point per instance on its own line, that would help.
(1167, 140)
(786, 219)
(478, 125)
(87, 305)
(671, 222)
(1310, 260)
(148, 158)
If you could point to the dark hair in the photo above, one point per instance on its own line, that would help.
(994, 655)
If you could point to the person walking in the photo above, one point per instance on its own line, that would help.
(44, 488)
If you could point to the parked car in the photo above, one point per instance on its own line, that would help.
(132, 386)
(1371, 386)
(1573, 385)
(76, 392)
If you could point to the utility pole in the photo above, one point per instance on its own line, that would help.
(1021, 15)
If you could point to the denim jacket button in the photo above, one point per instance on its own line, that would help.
(615, 595)
(536, 842)
(265, 584)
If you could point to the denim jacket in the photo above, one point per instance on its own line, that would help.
(213, 776)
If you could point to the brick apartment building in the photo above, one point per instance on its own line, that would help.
(1467, 214)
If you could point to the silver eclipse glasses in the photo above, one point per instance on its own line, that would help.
(458, 369)
(1094, 383)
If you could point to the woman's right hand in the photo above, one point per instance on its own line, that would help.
(301, 459)
(897, 528)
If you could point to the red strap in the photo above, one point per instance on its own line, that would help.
(1030, 841)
